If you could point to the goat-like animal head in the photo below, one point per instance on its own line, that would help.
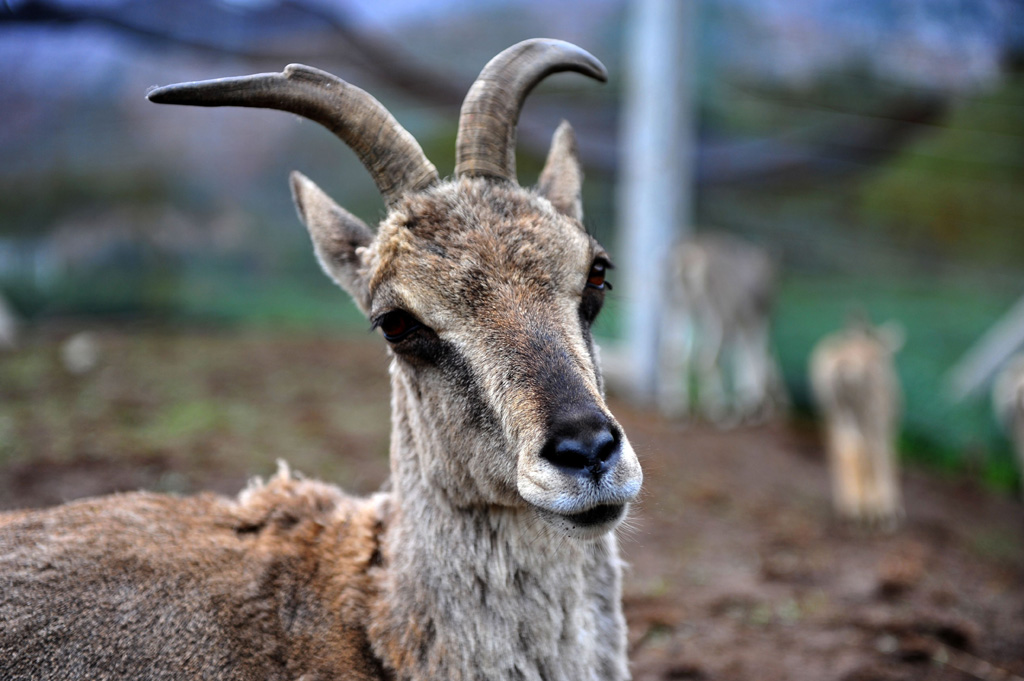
(485, 291)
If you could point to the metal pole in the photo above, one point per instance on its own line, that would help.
(656, 182)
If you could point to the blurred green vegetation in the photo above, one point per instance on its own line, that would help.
(956, 190)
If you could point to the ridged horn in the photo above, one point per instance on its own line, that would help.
(486, 142)
(392, 156)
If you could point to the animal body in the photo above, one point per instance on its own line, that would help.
(1008, 404)
(491, 554)
(858, 394)
(716, 335)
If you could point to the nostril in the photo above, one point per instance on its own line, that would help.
(568, 453)
(591, 448)
(607, 446)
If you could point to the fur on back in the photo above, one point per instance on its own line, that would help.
(170, 587)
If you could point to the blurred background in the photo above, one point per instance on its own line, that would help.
(173, 332)
(875, 149)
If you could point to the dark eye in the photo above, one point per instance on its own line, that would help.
(596, 278)
(396, 325)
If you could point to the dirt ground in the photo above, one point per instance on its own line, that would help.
(736, 569)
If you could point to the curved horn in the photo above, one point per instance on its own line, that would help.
(486, 142)
(391, 155)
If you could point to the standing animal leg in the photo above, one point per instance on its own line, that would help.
(883, 508)
(1018, 447)
(1017, 435)
(711, 389)
(880, 508)
(675, 359)
(845, 447)
(891, 505)
(751, 375)
(777, 394)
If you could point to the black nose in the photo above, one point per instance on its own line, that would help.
(583, 443)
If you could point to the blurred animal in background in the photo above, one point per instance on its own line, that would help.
(857, 391)
(491, 554)
(1008, 403)
(9, 325)
(716, 358)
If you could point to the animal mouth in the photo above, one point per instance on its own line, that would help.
(588, 524)
(602, 514)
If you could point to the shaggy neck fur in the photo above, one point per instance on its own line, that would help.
(486, 591)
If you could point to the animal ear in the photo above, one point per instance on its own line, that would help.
(338, 237)
(561, 181)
